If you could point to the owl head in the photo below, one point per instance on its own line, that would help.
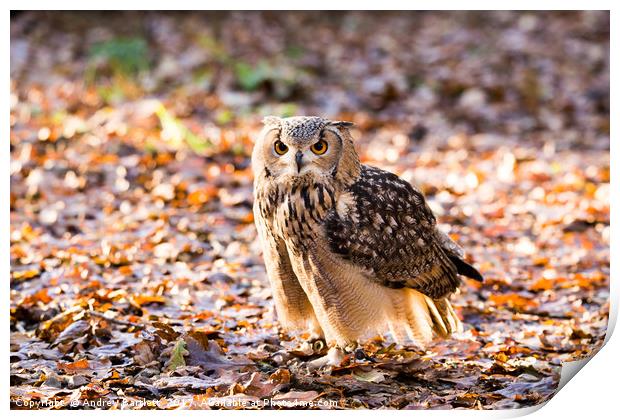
(308, 148)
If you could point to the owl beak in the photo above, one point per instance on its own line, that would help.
(298, 157)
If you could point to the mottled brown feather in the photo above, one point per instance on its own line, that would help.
(390, 231)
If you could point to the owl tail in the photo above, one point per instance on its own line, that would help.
(445, 321)
(417, 319)
(465, 269)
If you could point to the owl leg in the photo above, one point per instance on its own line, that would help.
(419, 320)
(295, 313)
(349, 306)
(316, 332)
(397, 319)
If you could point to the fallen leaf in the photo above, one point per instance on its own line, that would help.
(177, 358)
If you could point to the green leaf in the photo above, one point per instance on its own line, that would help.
(295, 52)
(288, 110)
(126, 56)
(250, 77)
(178, 355)
(224, 116)
(177, 132)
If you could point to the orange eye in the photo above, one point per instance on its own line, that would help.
(319, 148)
(280, 148)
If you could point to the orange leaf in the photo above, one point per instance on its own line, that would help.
(26, 274)
(40, 296)
(542, 284)
(146, 299)
(513, 300)
(248, 218)
(126, 270)
(73, 366)
(202, 195)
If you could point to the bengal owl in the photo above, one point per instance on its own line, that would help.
(351, 251)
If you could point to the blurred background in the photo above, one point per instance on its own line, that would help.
(515, 74)
(131, 190)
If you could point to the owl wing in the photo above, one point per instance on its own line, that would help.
(385, 226)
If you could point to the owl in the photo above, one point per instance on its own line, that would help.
(351, 251)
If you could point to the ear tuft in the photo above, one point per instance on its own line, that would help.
(271, 120)
(341, 124)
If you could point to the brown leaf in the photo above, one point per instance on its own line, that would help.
(280, 376)
(255, 387)
(297, 396)
(209, 357)
(145, 352)
(165, 331)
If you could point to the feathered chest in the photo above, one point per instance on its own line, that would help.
(295, 213)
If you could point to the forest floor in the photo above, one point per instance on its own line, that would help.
(136, 277)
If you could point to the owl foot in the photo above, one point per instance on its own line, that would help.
(360, 354)
(334, 357)
(318, 345)
(313, 347)
(357, 352)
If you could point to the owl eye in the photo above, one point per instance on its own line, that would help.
(319, 148)
(280, 147)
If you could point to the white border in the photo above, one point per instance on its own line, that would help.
(313, 5)
(593, 393)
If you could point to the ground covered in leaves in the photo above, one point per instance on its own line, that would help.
(136, 277)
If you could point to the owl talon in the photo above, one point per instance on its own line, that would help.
(318, 345)
(360, 354)
(351, 347)
(334, 357)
